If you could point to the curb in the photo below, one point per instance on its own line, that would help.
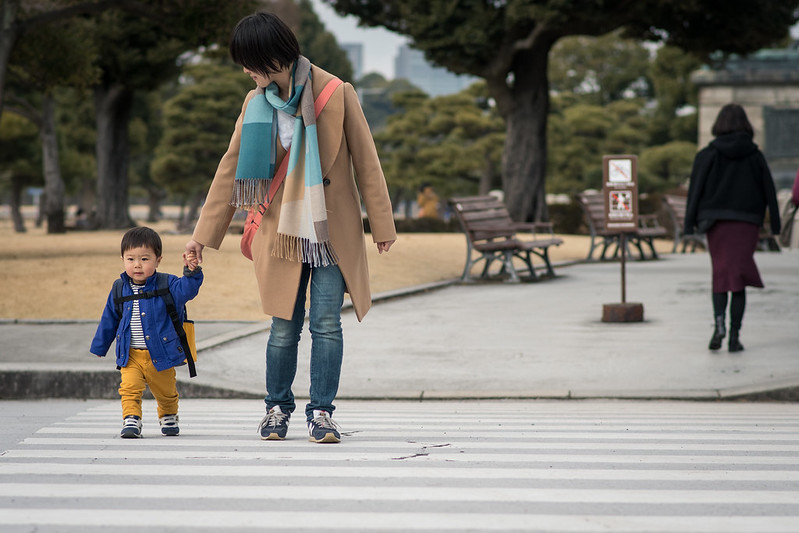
(68, 382)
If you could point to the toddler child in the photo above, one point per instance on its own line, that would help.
(147, 346)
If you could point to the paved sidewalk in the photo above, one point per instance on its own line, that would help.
(485, 340)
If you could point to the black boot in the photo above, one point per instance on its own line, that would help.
(735, 345)
(719, 332)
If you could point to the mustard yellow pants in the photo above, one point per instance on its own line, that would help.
(140, 373)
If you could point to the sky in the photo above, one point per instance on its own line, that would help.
(379, 45)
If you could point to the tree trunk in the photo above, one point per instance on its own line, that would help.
(53, 183)
(196, 201)
(487, 176)
(525, 106)
(155, 196)
(15, 203)
(87, 197)
(112, 107)
(9, 31)
(42, 207)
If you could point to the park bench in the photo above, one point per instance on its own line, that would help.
(491, 235)
(593, 205)
(675, 206)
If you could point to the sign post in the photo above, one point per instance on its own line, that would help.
(620, 189)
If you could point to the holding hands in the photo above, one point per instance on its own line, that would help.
(191, 260)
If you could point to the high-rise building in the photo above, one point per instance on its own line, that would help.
(435, 81)
(355, 54)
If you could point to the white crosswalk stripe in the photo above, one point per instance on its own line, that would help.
(554, 467)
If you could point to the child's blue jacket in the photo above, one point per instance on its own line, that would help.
(159, 333)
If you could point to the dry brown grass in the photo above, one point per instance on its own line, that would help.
(69, 276)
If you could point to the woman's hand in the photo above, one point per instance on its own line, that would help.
(384, 246)
(194, 250)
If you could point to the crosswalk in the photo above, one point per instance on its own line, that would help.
(573, 466)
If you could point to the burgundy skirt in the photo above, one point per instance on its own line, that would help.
(732, 247)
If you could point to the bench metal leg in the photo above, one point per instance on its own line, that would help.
(545, 257)
(507, 260)
(594, 246)
(525, 256)
(651, 243)
(607, 241)
(638, 244)
(489, 259)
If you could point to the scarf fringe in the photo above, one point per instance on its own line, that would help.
(249, 192)
(302, 250)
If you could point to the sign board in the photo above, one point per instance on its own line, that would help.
(620, 189)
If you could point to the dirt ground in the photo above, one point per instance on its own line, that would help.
(69, 276)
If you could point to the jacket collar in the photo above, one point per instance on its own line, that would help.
(149, 284)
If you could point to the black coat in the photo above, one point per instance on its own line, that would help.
(730, 180)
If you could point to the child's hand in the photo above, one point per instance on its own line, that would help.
(190, 260)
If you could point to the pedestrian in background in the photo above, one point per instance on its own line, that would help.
(428, 202)
(795, 190)
(787, 237)
(312, 231)
(730, 188)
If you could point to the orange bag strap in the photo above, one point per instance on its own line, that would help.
(280, 173)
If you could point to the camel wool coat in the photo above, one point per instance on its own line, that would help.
(345, 144)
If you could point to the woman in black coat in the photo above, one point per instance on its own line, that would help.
(731, 186)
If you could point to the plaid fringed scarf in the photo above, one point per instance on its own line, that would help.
(302, 232)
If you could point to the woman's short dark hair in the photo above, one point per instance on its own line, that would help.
(141, 237)
(263, 43)
(732, 119)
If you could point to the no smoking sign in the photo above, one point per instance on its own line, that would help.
(621, 192)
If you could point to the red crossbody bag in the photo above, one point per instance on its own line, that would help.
(256, 213)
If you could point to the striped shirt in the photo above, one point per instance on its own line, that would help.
(136, 331)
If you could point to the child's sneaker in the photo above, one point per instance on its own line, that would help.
(131, 427)
(322, 428)
(169, 425)
(274, 425)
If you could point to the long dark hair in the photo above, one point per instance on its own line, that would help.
(263, 43)
(732, 119)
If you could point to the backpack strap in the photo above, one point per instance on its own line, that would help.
(171, 309)
(116, 290)
(162, 290)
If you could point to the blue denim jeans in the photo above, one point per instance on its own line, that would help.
(327, 343)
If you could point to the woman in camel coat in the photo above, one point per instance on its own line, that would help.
(269, 53)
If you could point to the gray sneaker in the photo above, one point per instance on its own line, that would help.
(169, 425)
(322, 429)
(274, 425)
(131, 427)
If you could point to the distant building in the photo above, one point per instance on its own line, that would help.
(766, 84)
(355, 54)
(435, 81)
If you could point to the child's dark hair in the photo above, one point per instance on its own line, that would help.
(142, 236)
(263, 43)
